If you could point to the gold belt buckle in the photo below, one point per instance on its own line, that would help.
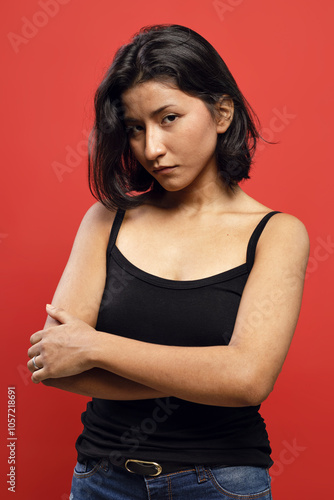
(145, 464)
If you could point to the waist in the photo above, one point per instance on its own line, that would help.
(173, 430)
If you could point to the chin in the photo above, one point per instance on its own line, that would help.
(173, 189)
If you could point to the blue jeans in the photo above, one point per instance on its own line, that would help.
(100, 480)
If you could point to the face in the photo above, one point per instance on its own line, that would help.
(172, 135)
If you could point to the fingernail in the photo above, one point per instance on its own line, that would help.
(50, 306)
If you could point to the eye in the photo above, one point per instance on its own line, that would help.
(134, 129)
(169, 118)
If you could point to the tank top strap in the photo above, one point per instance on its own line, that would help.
(115, 228)
(254, 238)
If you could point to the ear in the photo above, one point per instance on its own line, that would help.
(224, 112)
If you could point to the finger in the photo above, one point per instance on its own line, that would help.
(39, 375)
(36, 337)
(34, 378)
(30, 366)
(38, 362)
(34, 351)
(59, 314)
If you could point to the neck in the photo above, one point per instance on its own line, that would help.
(211, 196)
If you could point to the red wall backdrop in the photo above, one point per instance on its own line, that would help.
(54, 53)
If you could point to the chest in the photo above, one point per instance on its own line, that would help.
(184, 252)
(151, 309)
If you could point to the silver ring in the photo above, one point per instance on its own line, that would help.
(34, 363)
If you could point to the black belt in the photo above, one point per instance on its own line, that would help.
(154, 469)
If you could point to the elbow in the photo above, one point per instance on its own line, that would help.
(256, 397)
(245, 393)
(256, 390)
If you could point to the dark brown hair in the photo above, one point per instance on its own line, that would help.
(163, 52)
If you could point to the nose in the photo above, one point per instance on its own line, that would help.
(154, 144)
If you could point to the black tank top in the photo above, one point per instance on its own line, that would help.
(202, 312)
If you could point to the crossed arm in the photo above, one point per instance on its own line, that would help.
(77, 358)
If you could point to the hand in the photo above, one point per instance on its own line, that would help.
(62, 350)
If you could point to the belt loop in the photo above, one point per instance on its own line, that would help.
(105, 464)
(201, 473)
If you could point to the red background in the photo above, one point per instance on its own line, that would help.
(279, 53)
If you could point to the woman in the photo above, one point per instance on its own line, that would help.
(180, 298)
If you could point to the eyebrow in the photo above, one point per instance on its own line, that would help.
(154, 113)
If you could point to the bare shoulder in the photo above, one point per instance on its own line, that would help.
(98, 214)
(287, 226)
(96, 222)
(282, 231)
(92, 237)
(288, 235)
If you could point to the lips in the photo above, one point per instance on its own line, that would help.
(164, 168)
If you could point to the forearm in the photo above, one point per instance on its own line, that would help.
(240, 374)
(207, 375)
(98, 383)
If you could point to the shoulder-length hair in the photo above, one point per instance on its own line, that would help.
(165, 53)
